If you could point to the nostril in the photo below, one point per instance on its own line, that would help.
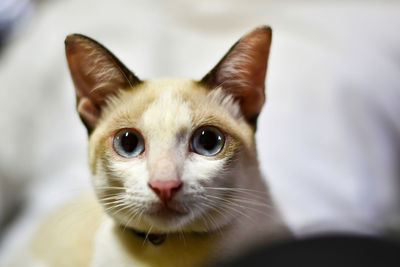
(165, 189)
(155, 189)
(177, 187)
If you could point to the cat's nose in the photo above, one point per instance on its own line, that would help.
(165, 189)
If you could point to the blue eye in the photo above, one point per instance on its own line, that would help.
(207, 141)
(128, 143)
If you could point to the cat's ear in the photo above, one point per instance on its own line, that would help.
(241, 72)
(97, 74)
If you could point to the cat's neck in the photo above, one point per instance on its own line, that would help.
(183, 248)
(117, 246)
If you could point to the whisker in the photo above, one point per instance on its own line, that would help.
(252, 202)
(235, 189)
(181, 233)
(122, 204)
(110, 187)
(108, 203)
(109, 209)
(140, 216)
(232, 202)
(214, 207)
(116, 197)
(250, 192)
(229, 204)
(147, 235)
(253, 194)
(131, 215)
(205, 221)
(210, 218)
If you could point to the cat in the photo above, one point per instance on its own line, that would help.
(173, 162)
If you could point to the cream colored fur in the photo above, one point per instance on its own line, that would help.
(166, 112)
(227, 203)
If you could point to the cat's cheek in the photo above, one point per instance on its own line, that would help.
(133, 174)
(130, 174)
(199, 169)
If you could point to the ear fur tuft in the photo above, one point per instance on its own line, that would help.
(241, 72)
(97, 74)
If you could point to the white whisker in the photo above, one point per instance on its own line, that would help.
(131, 215)
(147, 235)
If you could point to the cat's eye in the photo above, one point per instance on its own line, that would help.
(128, 143)
(207, 141)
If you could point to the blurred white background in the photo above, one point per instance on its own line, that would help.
(329, 136)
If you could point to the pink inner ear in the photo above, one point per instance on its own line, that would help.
(254, 48)
(242, 71)
(95, 71)
(97, 75)
(88, 112)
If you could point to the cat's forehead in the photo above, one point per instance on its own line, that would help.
(167, 116)
(155, 103)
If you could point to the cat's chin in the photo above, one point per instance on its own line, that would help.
(167, 221)
(168, 218)
(166, 213)
(174, 217)
(180, 224)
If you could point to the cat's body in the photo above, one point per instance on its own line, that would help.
(173, 161)
(80, 234)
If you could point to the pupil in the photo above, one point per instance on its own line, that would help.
(129, 142)
(208, 140)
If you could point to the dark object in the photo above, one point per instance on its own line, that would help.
(155, 239)
(324, 251)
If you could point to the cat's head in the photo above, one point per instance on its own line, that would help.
(168, 154)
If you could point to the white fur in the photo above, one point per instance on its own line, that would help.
(220, 194)
(227, 102)
(166, 136)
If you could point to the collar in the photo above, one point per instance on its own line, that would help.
(155, 239)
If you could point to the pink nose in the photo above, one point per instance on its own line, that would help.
(165, 189)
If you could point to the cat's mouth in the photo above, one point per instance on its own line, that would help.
(166, 211)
